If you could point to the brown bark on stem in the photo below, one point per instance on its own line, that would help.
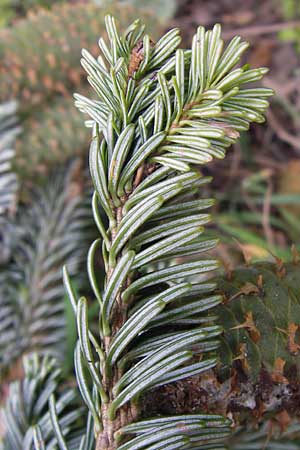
(106, 438)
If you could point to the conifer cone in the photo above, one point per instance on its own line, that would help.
(50, 137)
(258, 376)
(40, 54)
(260, 315)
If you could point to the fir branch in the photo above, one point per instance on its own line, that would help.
(26, 420)
(9, 129)
(52, 228)
(161, 112)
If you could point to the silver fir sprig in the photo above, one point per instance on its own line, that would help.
(162, 112)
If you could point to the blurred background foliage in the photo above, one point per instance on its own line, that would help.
(44, 147)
